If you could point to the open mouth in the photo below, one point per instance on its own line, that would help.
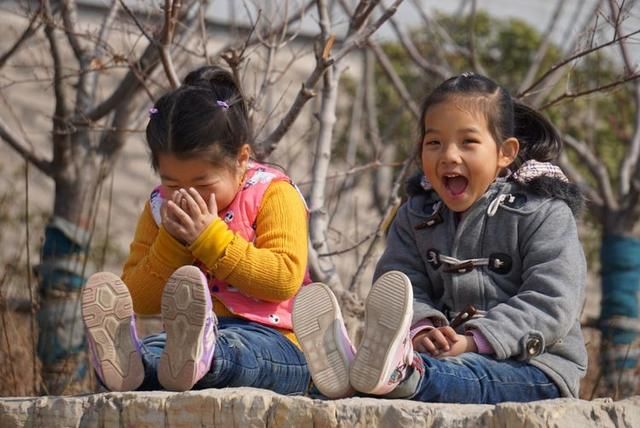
(455, 184)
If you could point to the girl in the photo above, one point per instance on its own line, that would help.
(478, 293)
(219, 226)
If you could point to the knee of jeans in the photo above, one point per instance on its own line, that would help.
(454, 360)
(464, 358)
(233, 340)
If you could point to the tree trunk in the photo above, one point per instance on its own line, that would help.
(61, 275)
(619, 316)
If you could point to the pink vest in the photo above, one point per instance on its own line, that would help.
(240, 216)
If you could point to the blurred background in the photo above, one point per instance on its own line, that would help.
(334, 88)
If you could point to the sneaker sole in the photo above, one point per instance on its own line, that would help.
(386, 323)
(107, 311)
(316, 316)
(184, 315)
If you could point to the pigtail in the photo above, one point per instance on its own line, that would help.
(539, 139)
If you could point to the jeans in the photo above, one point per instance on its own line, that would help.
(477, 378)
(246, 354)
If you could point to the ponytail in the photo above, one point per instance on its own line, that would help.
(539, 139)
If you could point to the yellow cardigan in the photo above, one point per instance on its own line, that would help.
(270, 269)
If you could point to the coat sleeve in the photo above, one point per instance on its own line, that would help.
(401, 253)
(551, 295)
(153, 256)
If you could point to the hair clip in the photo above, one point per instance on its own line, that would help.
(223, 104)
(467, 74)
(152, 111)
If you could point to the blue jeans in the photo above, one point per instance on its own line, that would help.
(477, 378)
(246, 354)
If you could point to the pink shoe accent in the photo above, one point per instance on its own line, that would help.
(386, 351)
(319, 327)
(191, 327)
(107, 313)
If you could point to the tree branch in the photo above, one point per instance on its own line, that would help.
(536, 62)
(99, 49)
(318, 215)
(268, 145)
(32, 28)
(358, 40)
(361, 14)
(416, 56)
(572, 95)
(473, 53)
(576, 177)
(138, 73)
(396, 81)
(21, 148)
(137, 22)
(441, 32)
(60, 137)
(571, 58)
(70, 18)
(630, 161)
(171, 10)
(598, 170)
(393, 204)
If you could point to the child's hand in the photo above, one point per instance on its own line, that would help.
(462, 344)
(443, 342)
(435, 341)
(169, 213)
(188, 215)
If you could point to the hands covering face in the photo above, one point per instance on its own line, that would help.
(186, 215)
(443, 342)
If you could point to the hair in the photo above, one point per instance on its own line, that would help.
(205, 118)
(506, 117)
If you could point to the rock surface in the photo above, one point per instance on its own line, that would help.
(248, 407)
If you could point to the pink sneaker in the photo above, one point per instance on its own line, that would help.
(385, 351)
(107, 313)
(318, 325)
(191, 325)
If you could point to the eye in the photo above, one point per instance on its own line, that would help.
(431, 142)
(470, 141)
(204, 187)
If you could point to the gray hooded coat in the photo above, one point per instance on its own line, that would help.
(515, 256)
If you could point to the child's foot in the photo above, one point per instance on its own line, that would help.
(318, 325)
(190, 324)
(385, 351)
(109, 322)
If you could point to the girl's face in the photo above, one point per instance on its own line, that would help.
(224, 183)
(460, 156)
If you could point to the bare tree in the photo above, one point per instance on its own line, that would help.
(96, 106)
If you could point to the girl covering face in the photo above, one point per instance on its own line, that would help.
(219, 252)
(477, 296)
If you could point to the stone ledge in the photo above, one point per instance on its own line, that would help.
(248, 407)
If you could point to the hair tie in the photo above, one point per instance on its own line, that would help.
(223, 104)
(152, 111)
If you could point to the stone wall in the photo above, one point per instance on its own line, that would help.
(247, 407)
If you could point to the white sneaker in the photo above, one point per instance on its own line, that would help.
(191, 327)
(109, 321)
(319, 327)
(385, 351)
